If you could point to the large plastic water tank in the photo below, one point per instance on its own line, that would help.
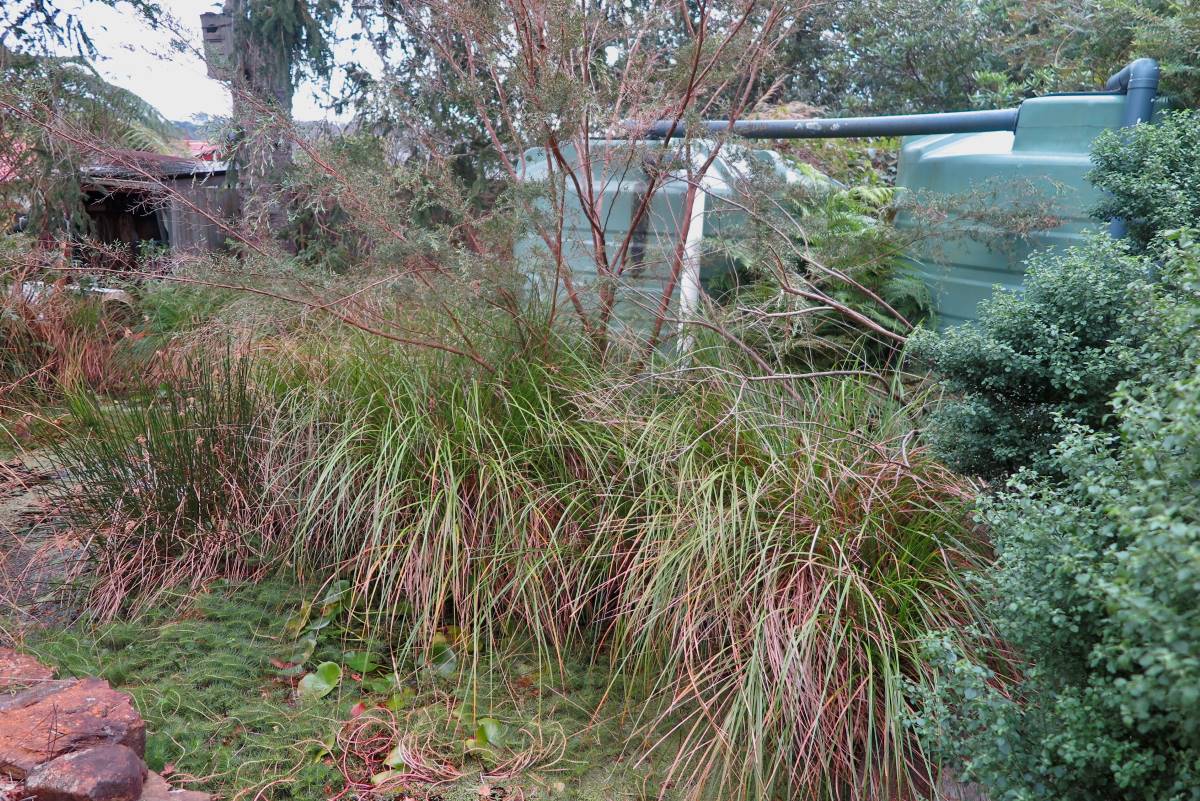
(642, 253)
(986, 187)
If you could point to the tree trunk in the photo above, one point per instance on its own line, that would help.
(261, 81)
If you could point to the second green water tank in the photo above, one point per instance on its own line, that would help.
(982, 202)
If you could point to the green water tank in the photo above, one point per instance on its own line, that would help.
(985, 201)
(642, 254)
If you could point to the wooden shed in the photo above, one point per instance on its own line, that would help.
(136, 196)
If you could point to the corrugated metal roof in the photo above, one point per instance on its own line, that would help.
(143, 163)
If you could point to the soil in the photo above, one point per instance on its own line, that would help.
(36, 548)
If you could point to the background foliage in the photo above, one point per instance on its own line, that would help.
(1151, 175)
(1097, 585)
(891, 56)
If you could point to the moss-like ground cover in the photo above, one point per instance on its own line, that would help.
(223, 716)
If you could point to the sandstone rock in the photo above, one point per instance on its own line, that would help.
(36, 693)
(157, 789)
(103, 773)
(20, 670)
(56, 718)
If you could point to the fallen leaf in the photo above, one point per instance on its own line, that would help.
(321, 681)
(384, 777)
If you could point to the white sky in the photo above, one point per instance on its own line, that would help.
(134, 56)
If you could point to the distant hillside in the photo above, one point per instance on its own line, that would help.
(199, 126)
(204, 126)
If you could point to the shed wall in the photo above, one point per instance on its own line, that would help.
(194, 217)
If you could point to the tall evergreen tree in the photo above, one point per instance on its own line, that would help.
(276, 43)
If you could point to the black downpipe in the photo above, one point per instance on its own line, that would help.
(848, 127)
(1139, 81)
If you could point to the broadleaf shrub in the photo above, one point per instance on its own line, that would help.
(1151, 175)
(1097, 587)
(1038, 360)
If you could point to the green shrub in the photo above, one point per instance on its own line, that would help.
(1097, 587)
(1151, 175)
(1038, 360)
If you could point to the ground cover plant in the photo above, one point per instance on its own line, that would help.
(228, 711)
(217, 714)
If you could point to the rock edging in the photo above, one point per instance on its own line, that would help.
(72, 740)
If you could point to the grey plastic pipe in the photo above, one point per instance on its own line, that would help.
(846, 127)
(1139, 82)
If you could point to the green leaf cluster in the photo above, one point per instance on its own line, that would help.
(1038, 360)
(1151, 175)
(1097, 586)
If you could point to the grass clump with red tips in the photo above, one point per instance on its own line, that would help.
(760, 563)
(753, 563)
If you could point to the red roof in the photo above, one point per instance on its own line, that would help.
(204, 151)
(9, 162)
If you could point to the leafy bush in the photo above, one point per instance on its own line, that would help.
(1151, 175)
(833, 291)
(1037, 361)
(1097, 586)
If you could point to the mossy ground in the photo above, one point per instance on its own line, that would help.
(222, 716)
